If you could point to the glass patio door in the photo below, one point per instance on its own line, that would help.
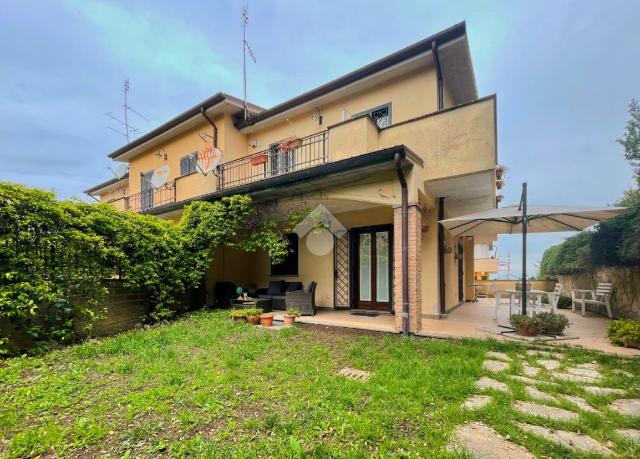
(373, 269)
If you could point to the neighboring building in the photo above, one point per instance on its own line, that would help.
(418, 106)
(485, 260)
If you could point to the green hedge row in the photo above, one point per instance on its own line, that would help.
(615, 242)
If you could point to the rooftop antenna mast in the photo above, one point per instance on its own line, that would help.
(126, 130)
(245, 47)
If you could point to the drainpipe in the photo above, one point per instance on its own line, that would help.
(441, 248)
(215, 128)
(440, 84)
(405, 245)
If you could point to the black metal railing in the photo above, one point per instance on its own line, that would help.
(153, 197)
(289, 156)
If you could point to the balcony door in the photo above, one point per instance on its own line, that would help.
(146, 188)
(281, 161)
(373, 268)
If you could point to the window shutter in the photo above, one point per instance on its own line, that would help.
(185, 162)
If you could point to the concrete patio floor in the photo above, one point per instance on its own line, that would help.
(472, 320)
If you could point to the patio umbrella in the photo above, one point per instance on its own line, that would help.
(528, 219)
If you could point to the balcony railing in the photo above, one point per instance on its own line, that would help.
(300, 154)
(153, 197)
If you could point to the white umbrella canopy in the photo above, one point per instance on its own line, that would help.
(528, 219)
(540, 219)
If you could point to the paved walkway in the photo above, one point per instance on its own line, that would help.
(480, 440)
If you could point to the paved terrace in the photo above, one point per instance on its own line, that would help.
(472, 320)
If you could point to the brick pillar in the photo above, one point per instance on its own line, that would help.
(415, 266)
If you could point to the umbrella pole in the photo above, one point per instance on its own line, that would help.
(525, 223)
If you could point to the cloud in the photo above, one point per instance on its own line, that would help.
(164, 46)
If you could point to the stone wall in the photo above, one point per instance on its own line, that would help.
(625, 301)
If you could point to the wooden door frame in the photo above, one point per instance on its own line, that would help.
(354, 264)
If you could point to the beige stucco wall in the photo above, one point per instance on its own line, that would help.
(487, 265)
(175, 149)
(455, 142)
(410, 95)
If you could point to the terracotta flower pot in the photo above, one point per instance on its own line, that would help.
(289, 320)
(253, 320)
(259, 159)
(266, 320)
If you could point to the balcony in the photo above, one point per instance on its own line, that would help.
(153, 198)
(289, 156)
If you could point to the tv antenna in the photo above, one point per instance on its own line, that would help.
(244, 13)
(126, 130)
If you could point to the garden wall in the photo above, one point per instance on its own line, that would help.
(544, 285)
(625, 301)
(124, 307)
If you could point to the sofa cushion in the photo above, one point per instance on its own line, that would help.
(276, 288)
(293, 286)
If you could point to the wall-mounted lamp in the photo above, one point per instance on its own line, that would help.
(161, 153)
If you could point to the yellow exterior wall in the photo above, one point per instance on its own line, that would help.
(410, 96)
(429, 274)
(175, 149)
(117, 192)
(469, 277)
(456, 142)
(487, 265)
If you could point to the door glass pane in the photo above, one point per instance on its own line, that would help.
(382, 266)
(364, 254)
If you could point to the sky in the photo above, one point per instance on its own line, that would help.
(563, 71)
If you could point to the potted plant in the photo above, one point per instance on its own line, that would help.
(253, 315)
(238, 314)
(290, 316)
(266, 319)
(290, 144)
(552, 324)
(524, 325)
(258, 159)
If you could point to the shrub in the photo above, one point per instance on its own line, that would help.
(529, 326)
(552, 324)
(237, 312)
(624, 332)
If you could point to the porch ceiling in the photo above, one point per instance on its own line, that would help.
(465, 193)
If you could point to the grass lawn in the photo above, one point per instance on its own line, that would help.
(204, 386)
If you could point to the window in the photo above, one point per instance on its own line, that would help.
(188, 164)
(281, 161)
(289, 267)
(381, 115)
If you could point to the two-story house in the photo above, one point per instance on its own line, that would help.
(389, 149)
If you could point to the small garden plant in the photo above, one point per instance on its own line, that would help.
(525, 325)
(552, 324)
(624, 332)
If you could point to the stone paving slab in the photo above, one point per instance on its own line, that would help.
(498, 356)
(354, 373)
(482, 442)
(556, 355)
(593, 365)
(475, 402)
(629, 434)
(571, 440)
(530, 371)
(596, 390)
(579, 402)
(626, 406)
(532, 381)
(495, 366)
(547, 412)
(623, 373)
(549, 364)
(588, 372)
(488, 383)
(538, 394)
(573, 378)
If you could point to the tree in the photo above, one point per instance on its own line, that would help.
(631, 139)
